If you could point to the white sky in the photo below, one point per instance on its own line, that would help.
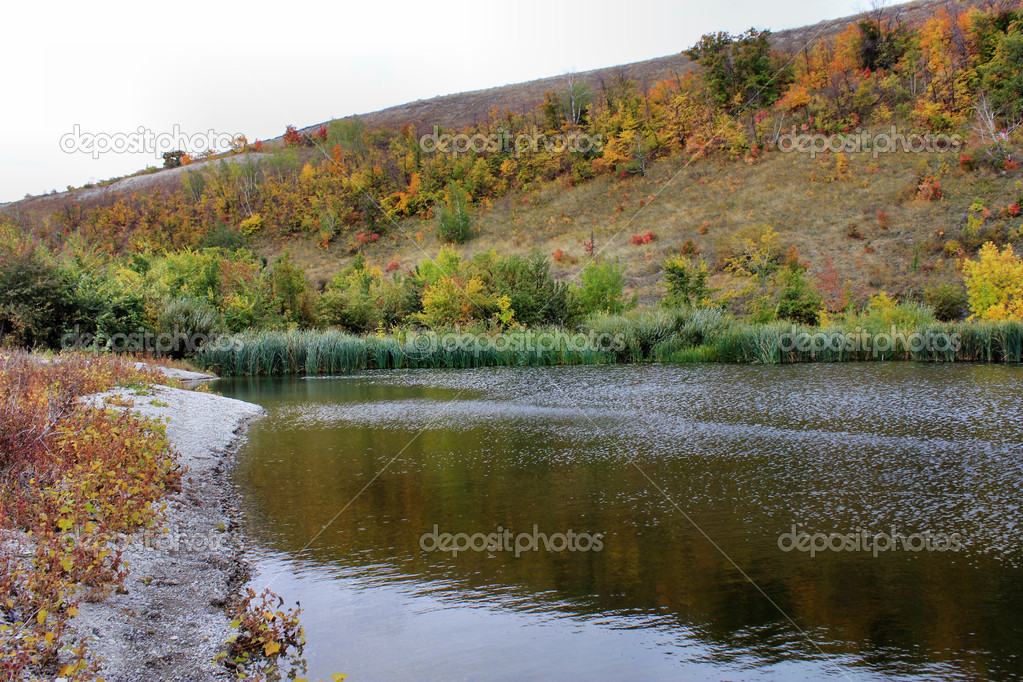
(253, 68)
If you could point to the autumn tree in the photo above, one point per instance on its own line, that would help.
(994, 283)
(740, 71)
(1002, 75)
(686, 282)
(884, 38)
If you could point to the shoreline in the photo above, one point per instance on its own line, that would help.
(171, 621)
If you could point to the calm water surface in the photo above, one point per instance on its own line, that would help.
(691, 473)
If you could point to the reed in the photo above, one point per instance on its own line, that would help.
(334, 352)
(659, 336)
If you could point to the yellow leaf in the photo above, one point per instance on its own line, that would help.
(271, 648)
(338, 677)
(41, 616)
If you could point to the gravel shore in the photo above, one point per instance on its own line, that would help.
(171, 622)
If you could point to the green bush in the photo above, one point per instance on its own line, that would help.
(189, 322)
(601, 290)
(32, 296)
(536, 297)
(949, 302)
(351, 309)
(455, 220)
(797, 301)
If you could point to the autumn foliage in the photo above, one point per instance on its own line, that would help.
(73, 477)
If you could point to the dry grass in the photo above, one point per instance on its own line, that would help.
(709, 201)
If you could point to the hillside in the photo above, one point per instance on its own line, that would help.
(459, 110)
(683, 169)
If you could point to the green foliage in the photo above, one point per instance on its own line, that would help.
(797, 300)
(685, 282)
(188, 322)
(455, 221)
(31, 296)
(535, 296)
(225, 237)
(601, 290)
(739, 69)
(291, 300)
(881, 44)
(949, 302)
(1001, 76)
(352, 300)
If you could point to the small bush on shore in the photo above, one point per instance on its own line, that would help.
(72, 477)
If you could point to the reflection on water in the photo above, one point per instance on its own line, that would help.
(690, 472)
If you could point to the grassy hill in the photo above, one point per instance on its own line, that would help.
(866, 215)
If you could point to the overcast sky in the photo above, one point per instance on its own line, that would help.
(244, 67)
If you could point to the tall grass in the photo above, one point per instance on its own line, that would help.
(681, 335)
(334, 352)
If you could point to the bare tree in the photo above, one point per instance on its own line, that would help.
(575, 98)
(988, 129)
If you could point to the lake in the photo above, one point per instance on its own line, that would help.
(859, 521)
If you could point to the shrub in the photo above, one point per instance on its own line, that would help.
(883, 312)
(188, 321)
(602, 289)
(67, 467)
(254, 223)
(352, 310)
(292, 137)
(797, 301)
(449, 302)
(929, 189)
(949, 302)
(686, 283)
(455, 220)
(535, 296)
(31, 296)
(994, 283)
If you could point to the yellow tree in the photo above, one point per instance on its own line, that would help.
(994, 283)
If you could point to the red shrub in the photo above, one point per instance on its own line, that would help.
(292, 137)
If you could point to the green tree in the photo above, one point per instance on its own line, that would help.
(739, 70)
(602, 289)
(797, 300)
(685, 282)
(536, 297)
(455, 220)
